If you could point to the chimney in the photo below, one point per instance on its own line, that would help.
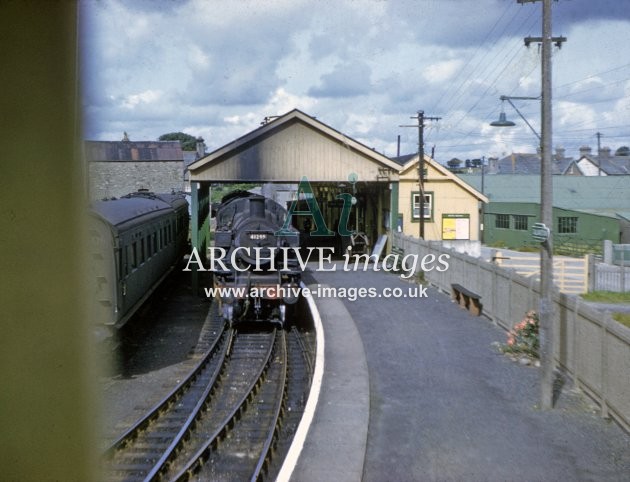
(493, 165)
(560, 153)
(585, 151)
(201, 148)
(604, 152)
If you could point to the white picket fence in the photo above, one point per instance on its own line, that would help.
(608, 277)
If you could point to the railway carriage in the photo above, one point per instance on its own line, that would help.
(134, 242)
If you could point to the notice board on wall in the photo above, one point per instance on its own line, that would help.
(455, 226)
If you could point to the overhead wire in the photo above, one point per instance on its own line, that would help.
(465, 79)
(560, 135)
(482, 72)
(455, 94)
(509, 47)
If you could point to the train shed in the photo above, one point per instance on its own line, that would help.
(356, 188)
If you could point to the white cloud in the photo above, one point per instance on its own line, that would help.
(147, 97)
(282, 101)
(571, 114)
(442, 71)
(363, 66)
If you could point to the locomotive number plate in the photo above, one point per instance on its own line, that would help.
(257, 236)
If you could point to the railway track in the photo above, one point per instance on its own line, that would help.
(231, 419)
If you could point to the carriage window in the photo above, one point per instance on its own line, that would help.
(155, 243)
(134, 255)
(121, 264)
(128, 258)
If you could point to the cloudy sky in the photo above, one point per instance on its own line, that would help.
(216, 68)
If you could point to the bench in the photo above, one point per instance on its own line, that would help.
(466, 299)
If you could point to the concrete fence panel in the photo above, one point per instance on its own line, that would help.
(591, 347)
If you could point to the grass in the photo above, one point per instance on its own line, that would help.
(607, 297)
(611, 297)
(623, 318)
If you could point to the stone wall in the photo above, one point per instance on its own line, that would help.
(115, 179)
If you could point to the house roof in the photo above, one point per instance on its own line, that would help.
(528, 163)
(410, 161)
(596, 194)
(112, 151)
(611, 165)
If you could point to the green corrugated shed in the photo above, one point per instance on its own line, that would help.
(598, 207)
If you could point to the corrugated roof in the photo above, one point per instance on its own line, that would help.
(601, 194)
(103, 151)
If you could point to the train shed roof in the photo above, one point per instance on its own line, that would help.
(290, 147)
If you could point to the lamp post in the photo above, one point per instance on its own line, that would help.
(545, 311)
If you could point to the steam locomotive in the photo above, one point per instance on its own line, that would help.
(134, 242)
(262, 268)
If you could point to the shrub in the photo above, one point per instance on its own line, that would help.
(523, 338)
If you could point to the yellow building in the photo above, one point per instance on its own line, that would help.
(452, 207)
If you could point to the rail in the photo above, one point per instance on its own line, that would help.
(196, 462)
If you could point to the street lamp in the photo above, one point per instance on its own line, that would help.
(503, 122)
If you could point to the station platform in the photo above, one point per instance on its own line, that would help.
(414, 389)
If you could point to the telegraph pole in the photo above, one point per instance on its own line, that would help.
(421, 118)
(545, 314)
(599, 150)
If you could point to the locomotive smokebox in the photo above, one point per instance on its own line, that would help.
(257, 207)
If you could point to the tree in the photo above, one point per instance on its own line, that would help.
(454, 163)
(189, 143)
(623, 151)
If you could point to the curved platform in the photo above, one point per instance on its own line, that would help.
(331, 440)
(439, 401)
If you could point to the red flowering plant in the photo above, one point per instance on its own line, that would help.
(523, 338)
